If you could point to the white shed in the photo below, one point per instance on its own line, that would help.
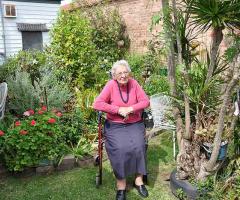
(25, 24)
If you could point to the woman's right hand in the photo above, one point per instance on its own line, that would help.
(125, 111)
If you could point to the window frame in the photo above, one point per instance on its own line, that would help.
(11, 7)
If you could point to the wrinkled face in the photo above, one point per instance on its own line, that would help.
(121, 75)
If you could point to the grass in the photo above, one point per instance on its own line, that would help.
(79, 184)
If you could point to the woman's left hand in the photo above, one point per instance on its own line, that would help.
(125, 111)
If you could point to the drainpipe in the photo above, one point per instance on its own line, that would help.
(3, 29)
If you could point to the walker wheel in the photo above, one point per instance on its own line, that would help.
(97, 160)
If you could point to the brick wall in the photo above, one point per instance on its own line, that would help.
(137, 15)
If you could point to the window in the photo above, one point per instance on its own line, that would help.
(32, 40)
(10, 11)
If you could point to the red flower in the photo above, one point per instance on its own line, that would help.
(51, 121)
(1, 133)
(59, 114)
(40, 112)
(28, 112)
(23, 132)
(33, 123)
(31, 111)
(17, 123)
(44, 108)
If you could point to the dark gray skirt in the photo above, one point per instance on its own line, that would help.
(125, 146)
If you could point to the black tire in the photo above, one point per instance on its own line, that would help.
(190, 191)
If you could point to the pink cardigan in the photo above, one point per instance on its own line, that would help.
(110, 100)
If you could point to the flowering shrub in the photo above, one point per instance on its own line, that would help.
(32, 139)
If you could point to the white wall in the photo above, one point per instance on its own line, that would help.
(27, 12)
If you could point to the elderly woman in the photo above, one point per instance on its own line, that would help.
(123, 100)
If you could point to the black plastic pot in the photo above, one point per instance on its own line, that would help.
(175, 185)
(222, 151)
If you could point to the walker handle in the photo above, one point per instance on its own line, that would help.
(99, 116)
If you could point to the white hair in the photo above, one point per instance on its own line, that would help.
(120, 63)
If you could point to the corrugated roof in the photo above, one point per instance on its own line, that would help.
(32, 27)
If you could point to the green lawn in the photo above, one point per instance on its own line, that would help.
(79, 183)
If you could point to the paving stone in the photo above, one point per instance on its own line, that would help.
(44, 170)
(67, 163)
(85, 161)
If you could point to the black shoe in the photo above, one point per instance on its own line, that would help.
(121, 195)
(142, 190)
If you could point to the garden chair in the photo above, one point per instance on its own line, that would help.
(161, 109)
(3, 96)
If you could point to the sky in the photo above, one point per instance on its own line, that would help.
(65, 2)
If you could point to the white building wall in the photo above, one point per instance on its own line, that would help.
(1, 35)
(27, 12)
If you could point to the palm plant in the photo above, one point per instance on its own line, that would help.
(205, 100)
(216, 15)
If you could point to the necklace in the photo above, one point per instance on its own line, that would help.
(125, 101)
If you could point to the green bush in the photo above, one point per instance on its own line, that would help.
(21, 93)
(136, 63)
(156, 84)
(56, 92)
(110, 39)
(109, 34)
(84, 45)
(29, 61)
(34, 138)
(84, 101)
(72, 125)
(73, 49)
(149, 72)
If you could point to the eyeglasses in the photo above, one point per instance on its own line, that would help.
(122, 73)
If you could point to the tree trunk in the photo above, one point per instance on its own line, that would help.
(187, 133)
(217, 38)
(172, 68)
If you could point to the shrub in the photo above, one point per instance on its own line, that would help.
(85, 43)
(21, 93)
(156, 84)
(29, 61)
(82, 148)
(109, 33)
(84, 101)
(149, 72)
(73, 48)
(136, 63)
(32, 139)
(72, 125)
(55, 92)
